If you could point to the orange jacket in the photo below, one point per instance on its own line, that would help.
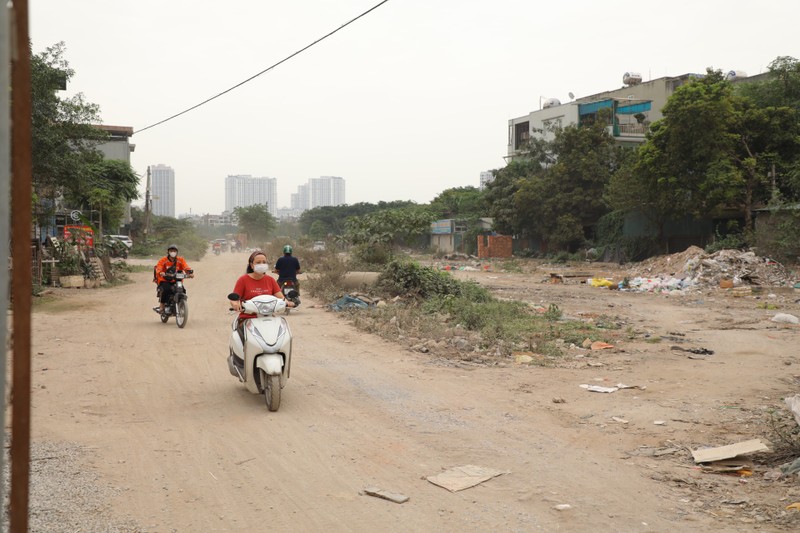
(165, 263)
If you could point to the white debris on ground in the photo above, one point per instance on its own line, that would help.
(694, 268)
(65, 495)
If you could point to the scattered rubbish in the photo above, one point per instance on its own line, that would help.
(655, 452)
(562, 507)
(740, 501)
(794, 506)
(623, 386)
(464, 477)
(559, 400)
(794, 406)
(523, 358)
(726, 283)
(348, 302)
(618, 419)
(660, 422)
(789, 469)
(741, 466)
(386, 495)
(600, 282)
(785, 318)
(600, 345)
(598, 388)
(698, 351)
(694, 268)
(707, 455)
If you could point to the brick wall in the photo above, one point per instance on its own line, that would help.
(494, 246)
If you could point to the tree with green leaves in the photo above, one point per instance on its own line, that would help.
(107, 187)
(713, 149)
(377, 233)
(459, 202)
(781, 88)
(256, 221)
(333, 219)
(63, 136)
(556, 204)
(499, 194)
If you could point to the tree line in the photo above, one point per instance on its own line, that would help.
(720, 150)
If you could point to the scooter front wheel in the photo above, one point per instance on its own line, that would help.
(272, 390)
(181, 313)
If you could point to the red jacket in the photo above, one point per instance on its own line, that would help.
(167, 262)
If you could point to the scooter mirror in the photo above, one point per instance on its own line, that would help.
(233, 297)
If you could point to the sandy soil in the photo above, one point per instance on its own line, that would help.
(184, 446)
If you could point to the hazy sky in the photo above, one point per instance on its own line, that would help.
(406, 102)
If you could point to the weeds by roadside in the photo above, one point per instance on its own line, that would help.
(784, 436)
(436, 312)
(325, 281)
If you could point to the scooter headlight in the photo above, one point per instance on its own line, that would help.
(266, 308)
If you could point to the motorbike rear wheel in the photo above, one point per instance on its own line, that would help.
(181, 313)
(272, 390)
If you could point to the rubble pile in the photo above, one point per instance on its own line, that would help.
(694, 267)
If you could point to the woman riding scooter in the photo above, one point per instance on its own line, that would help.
(255, 282)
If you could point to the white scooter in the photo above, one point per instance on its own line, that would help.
(261, 350)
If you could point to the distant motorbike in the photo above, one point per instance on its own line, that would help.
(177, 305)
(260, 348)
(217, 250)
(291, 290)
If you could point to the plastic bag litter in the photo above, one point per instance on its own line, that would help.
(785, 318)
(347, 302)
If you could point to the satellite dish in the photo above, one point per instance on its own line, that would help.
(571, 96)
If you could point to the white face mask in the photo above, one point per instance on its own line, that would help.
(261, 268)
(173, 254)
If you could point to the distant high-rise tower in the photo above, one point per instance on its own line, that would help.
(325, 191)
(243, 191)
(486, 178)
(162, 190)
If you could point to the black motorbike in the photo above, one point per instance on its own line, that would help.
(291, 290)
(177, 305)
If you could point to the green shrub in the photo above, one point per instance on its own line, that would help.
(409, 278)
(776, 235)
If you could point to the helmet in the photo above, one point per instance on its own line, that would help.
(287, 249)
(172, 247)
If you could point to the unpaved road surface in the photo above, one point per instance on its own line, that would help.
(183, 446)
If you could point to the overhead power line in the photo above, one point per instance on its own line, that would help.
(254, 76)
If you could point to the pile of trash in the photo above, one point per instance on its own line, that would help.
(695, 268)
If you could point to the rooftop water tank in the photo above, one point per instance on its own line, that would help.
(551, 102)
(632, 78)
(735, 75)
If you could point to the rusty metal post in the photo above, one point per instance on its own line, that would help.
(5, 207)
(21, 180)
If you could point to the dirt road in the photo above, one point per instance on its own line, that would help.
(187, 448)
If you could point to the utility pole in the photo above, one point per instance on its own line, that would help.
(147, 206)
